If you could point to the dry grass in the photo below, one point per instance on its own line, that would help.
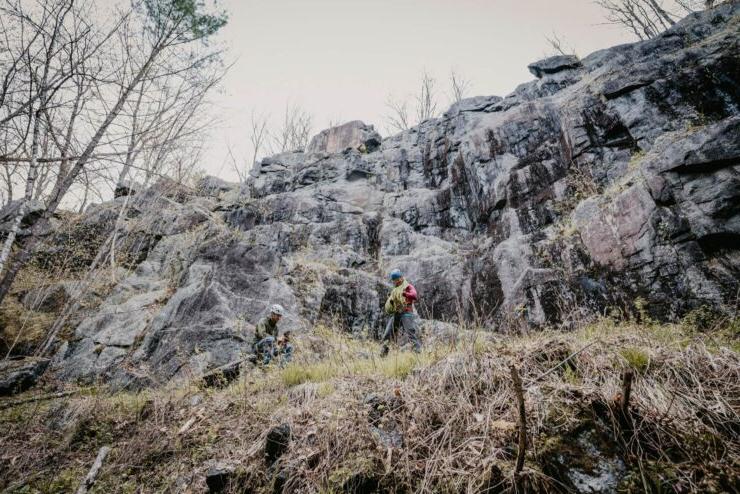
(451, 408)
(21, 329)
(345, 356)
(580, 185)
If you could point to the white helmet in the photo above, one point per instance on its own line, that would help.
(277, 309)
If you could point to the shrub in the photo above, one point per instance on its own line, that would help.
(636, 358)
(702, 318)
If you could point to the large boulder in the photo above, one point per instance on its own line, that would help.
(553, 65)
(18, 375)
(50, 298)
(351, 135)
(9, 213)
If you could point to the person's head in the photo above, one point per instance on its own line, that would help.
(276, 312)
(396, 277)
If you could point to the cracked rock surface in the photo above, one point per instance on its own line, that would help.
(608, 178)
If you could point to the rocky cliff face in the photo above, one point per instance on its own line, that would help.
(604, 180)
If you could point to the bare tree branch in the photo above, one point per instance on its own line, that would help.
(459, 86)
(558, 46)
(648, 18)
(426, 104)
(398, 118)
(294, 131)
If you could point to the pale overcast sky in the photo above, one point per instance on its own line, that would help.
(340, 59)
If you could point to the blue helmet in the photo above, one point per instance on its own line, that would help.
(395, 274)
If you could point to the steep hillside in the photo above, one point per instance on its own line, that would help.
(607, 180)
(340, 419)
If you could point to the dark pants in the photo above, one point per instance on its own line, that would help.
(267, 349)
(407, 323)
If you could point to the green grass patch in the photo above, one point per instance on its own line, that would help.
(636, 358)
(397, 365)
(294, 374)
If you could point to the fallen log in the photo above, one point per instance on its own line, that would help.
(89, 479)
(226, 373)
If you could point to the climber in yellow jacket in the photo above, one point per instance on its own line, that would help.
(400, 309)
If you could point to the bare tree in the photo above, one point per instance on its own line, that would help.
(398, 119)
(648, 18)
(293, 132)
(39, 60)
(177, 125)
(633, 15)
(235, 164)
(558, 46)
(426, 102)
(257, 136)
(399, 116)
(459, 86)
(81, 98)
(185, 165)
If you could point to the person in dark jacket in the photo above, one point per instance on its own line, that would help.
(266, 342)
(400, 309)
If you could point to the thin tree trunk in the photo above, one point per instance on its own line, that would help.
(130, 151)
(83, 203)
(9, 185)
(27, 197)
(33, 167)
(661, 12)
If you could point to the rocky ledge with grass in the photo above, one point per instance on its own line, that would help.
(607, 180)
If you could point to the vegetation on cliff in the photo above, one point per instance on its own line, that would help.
(442, 421)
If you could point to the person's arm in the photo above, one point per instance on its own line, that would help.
(389, 306)
(259, 330)
(410, 294)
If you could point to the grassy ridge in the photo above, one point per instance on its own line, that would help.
(441, 421)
